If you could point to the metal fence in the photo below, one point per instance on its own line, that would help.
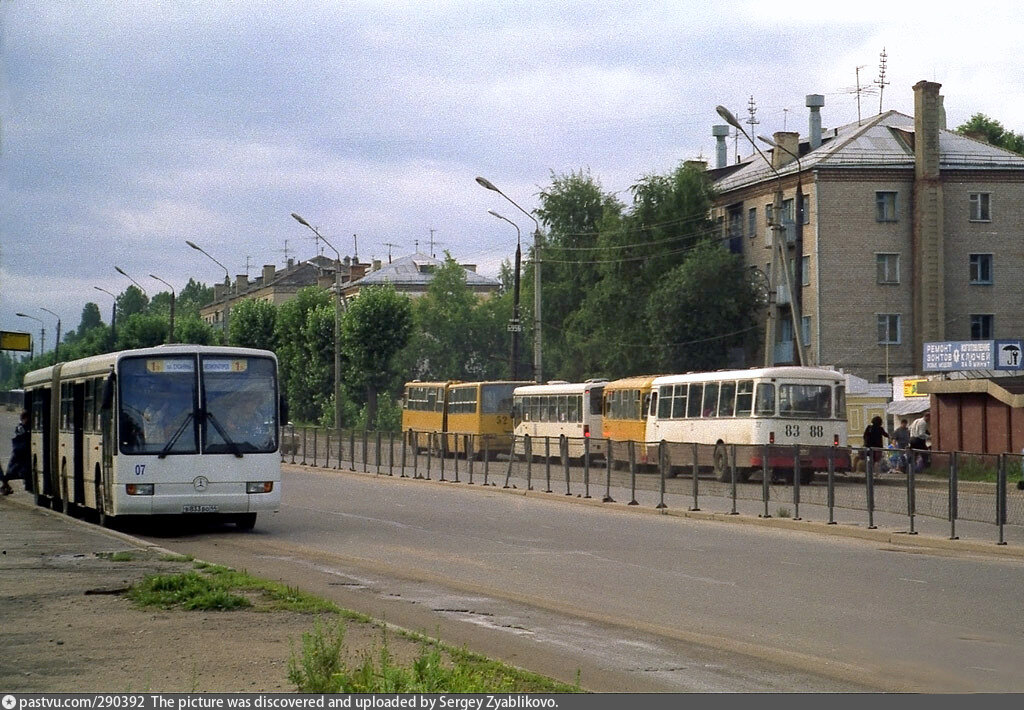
(908, 489)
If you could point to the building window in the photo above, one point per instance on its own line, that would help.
(885, 206)
(981, 326)
(888, 328)
(887, 268)
(981, 207)
(752, 222)
(981, 269)
(805, 271)
(805, 330)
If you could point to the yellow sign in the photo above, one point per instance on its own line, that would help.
(15, 341)
(910, 388)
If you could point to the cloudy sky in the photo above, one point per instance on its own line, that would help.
(129, 127)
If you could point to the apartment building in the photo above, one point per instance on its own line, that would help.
(909, 233)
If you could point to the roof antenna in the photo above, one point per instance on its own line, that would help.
(389, 245)
(355, 243)
(882, 83)
(752, 120)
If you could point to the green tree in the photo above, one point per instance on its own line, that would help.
(992, 131)
(691, 309)
(189, 328)
(305, 363)
(141, 330)
(192, 298)
(375, 328)
(131, 301)
(253, 324)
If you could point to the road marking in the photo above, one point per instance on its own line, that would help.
(916, 581)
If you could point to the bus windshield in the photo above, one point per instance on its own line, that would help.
(240, 395)
(158, 401)
(806, 401)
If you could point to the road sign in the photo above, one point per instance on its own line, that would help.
(959, 355)
(10, 340)
(1009, 355)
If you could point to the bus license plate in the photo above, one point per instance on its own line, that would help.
(198, 509)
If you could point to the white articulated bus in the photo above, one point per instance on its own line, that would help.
(780, 406)
(573, 410)
(175, 429)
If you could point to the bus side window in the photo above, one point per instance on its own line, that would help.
(765, 399)
(726, 399)
(696, 395)
(744, 398)
(665, 408)
(651, 403)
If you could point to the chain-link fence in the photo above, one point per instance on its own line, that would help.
(945, 491)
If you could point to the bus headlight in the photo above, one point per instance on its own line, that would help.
(139, 489)
(259, 486)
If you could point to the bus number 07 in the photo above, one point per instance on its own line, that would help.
(140, 468)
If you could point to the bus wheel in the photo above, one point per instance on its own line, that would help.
(721, 459)
(245, 521)
(104, 520)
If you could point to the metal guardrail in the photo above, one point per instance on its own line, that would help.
(901, 485)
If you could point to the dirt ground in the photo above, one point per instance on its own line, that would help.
(67, 626)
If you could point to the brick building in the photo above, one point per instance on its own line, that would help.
(910, 233)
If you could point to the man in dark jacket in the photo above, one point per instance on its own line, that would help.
(18, 466)
(873, 436)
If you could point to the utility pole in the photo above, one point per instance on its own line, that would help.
(882, 83)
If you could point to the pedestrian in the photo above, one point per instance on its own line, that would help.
(873, 436)
(920, 440)
(901, 440)
(18, 465)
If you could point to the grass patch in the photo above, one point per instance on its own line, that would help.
(782, 512)
(121, 556)
(320, 668)
(177, 558)
(222, 588)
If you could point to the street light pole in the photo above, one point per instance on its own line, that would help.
(515, 326)
(170, 334)
(121, 271)
(113, 315)
(56, 347)
(778, 249)
(337, 320)
(227, 283)
(538, 370)
(42, 333)
(796, 293)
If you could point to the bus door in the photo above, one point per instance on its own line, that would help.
(41, 422)
(78, 441)
(106, 409)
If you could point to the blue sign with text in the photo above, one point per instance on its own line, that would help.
(959, 355)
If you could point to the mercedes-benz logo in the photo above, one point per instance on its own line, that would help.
(200, 483)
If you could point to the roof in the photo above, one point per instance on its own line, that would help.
(1008, 390)
(915, 405)
(884, 141)
(418, 270)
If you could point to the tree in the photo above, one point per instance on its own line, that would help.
(140, 330)
(192, 298)
(131, 301)
(191, 329)
(375, 328)
(252, 324)
(303, 362)
(988, 129)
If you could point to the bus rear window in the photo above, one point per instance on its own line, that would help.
(496, 399)
(805, 401)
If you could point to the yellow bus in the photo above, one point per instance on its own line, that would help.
(626, 402)
(423, 412)
(483, 409)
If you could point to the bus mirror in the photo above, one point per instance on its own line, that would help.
(107, 403)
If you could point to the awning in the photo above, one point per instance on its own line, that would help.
(911, 405)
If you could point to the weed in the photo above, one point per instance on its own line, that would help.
(189, 591)
(177, 558)
(782, 512)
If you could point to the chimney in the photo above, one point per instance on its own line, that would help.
(376, 264)
(700, 165)
(790, 144)
(241, 282)
(720, 133)
(218, 292)
(358, 270)
(268, 273)
(942, 112)
(814, 102)
(291, 262)
(928, 239)
(325, 281)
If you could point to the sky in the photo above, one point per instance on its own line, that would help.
(127, 128)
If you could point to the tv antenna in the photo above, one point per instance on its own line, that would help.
(752, 119)
(882, 83)
(389, 245)
(355, 245)
(286, 251)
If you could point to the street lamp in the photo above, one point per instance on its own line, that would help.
(538, 372)
(515, 326)
(337, 319)
(778, 250)
(121, 271)
(42, 333)
(170, 335)
(56, 346)
(113, 315)
(798, 247)
(227, 283)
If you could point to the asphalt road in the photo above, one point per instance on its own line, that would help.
(634, 601)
